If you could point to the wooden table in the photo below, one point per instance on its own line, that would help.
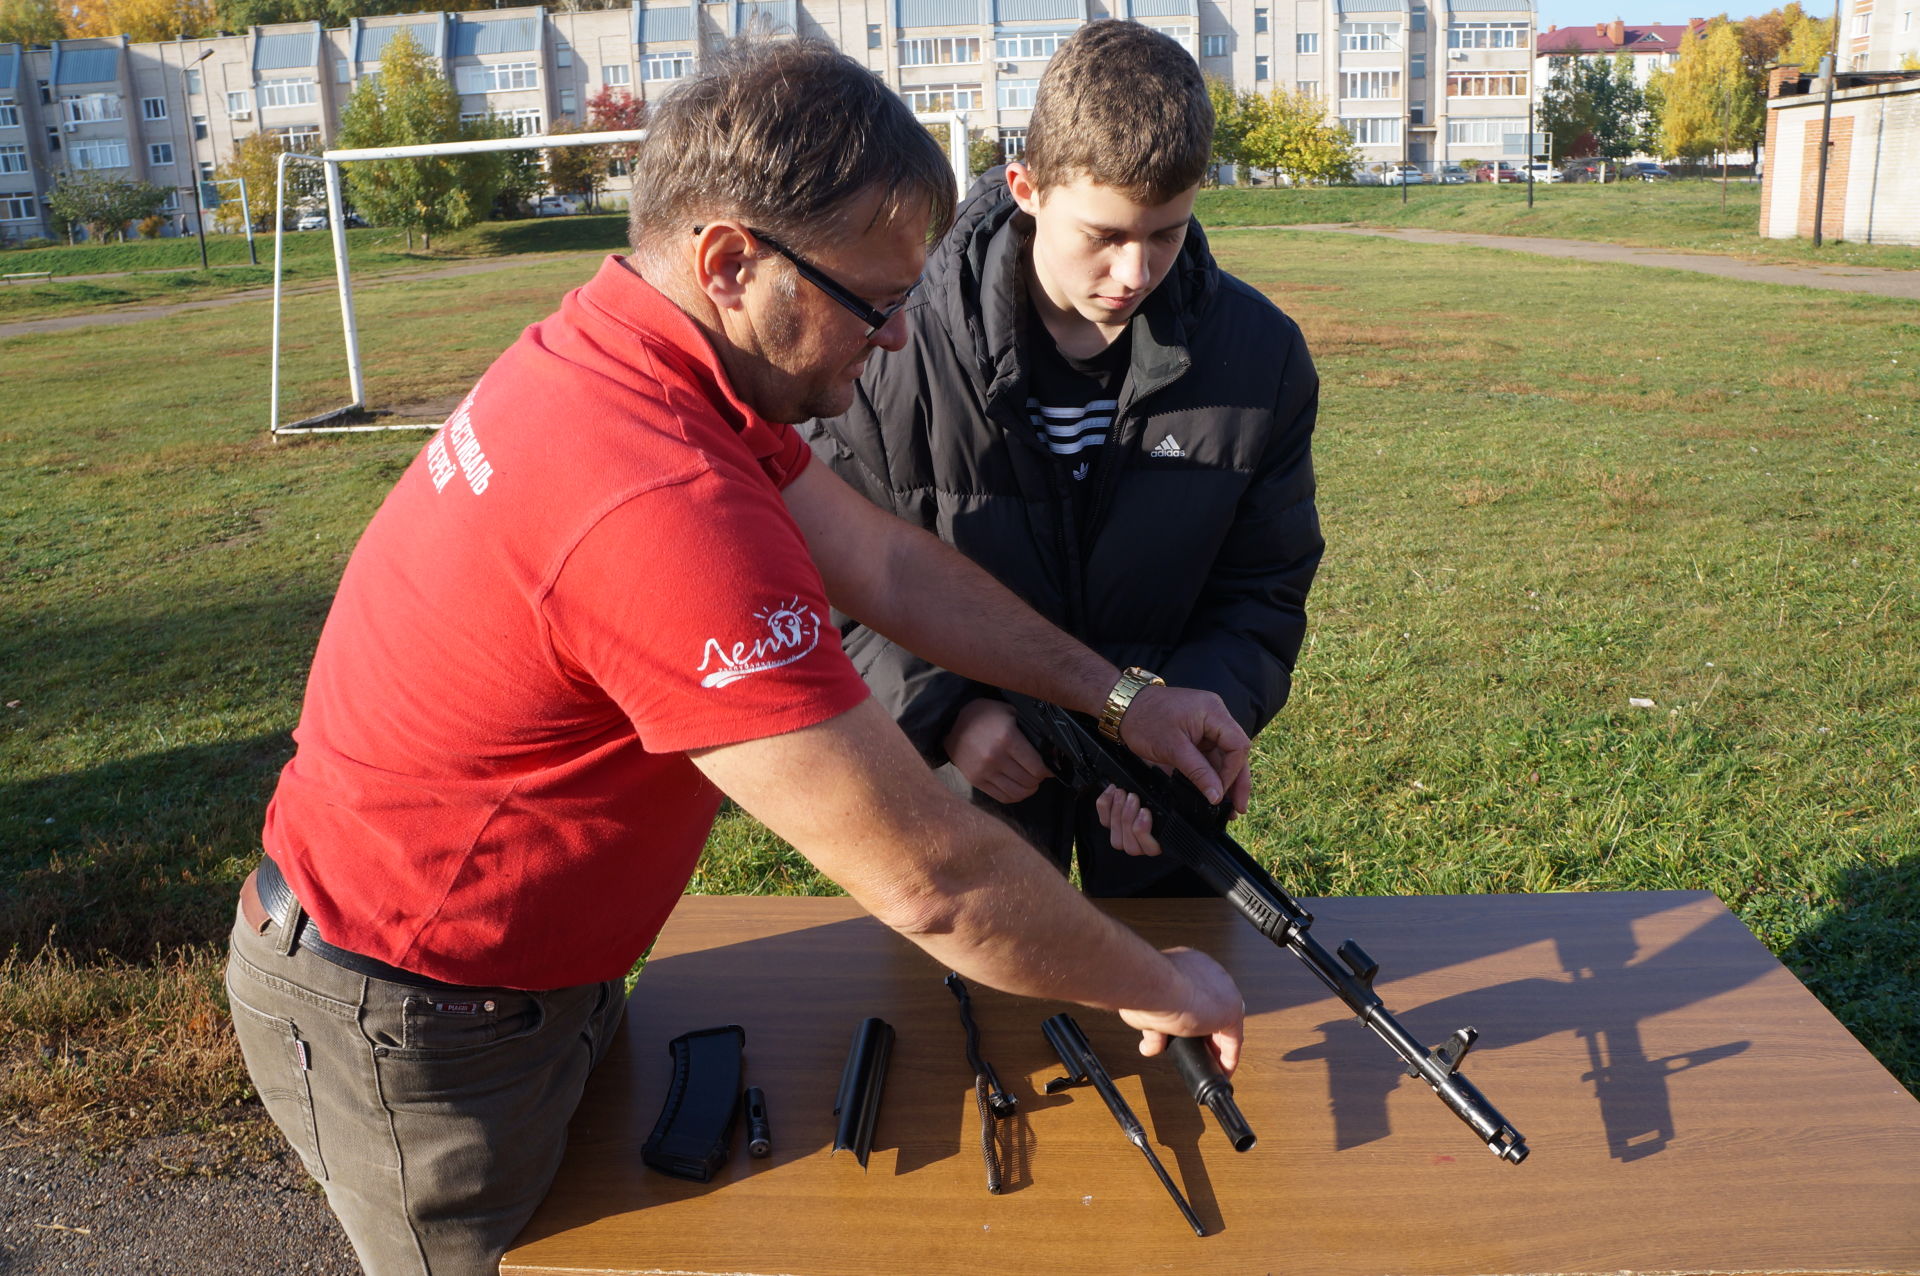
(1690, 1106)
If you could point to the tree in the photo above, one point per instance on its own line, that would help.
(574, 170)
(1230, 119)
(140, 19)
(412, 103)
(256, 161)
(102, 204)
(614, 110)
(30, 22)
(1591, 106)
(984, 151)
(1290, 133)
(1713, 100)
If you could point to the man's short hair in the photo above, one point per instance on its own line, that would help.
(1123, 106)
(785, 135)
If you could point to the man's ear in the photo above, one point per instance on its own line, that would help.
(723, 264)
(1020, 184)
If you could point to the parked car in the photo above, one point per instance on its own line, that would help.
(1402, 175)
(1497, 171)
(318, 221)
(555, 206)
(1450, 175)
(1541, 172)
(1646, 171)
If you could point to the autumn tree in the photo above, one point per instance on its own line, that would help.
(30, 21)
(256, 161)
(140, 19)
(1230, 118)
(102, 204)
(574, 170)
(1591, 106)
(411, 103)
(1712, 100)
(614, 110)
(1290, 133)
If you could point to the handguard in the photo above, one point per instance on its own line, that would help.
(695, 1130)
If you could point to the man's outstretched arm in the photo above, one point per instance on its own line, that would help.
(906, 584)
(853, 797)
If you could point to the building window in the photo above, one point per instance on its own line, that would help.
(240, 105)
(568, 102)
(1416, 114)
(13, 159)
(498, 77)
(1417, 66)
(1214, 46)
(1028, 46)
(619, 168)
(933, 99)
(193, 80)
(1259, 21)
(9, 113)
(1369, 84)
(620, 74)
(1416, 19)
(873, 36)
(53, 141)
(301, 137)
(1017, 95)
(945, 50)
(563, 56)
(1485, 132)
(275, 94)
(342, 73)
(206, 170)
(199, 128)
(1369, 37)
(1487, 35)
(525, 121)
(1309, 87)
(159, 154)
(1373, 131)
(1260, 73)
(1486, 84)
(91, 108)
(673, 65)
(153, 108)
(1013, 142)
(16, 208)
(100, 152)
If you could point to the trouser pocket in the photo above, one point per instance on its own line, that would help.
(280, 1064)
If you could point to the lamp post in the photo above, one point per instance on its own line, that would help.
(193, 156)
(1832, 61)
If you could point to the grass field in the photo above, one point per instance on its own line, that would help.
(1544, 502)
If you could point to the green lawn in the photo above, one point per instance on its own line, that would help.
(1682, 215)
(1543, 502)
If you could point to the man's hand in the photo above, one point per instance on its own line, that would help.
(1192, 732)
(1129, 825)
(1213, 1010)
(986, 743)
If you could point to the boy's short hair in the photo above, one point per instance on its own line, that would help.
(1123, 106)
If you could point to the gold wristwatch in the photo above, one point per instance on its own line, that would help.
(1121, 698)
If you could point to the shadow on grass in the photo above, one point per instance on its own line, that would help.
(1863, 961)
(136, 857)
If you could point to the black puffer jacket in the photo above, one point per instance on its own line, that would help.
(1197, 553)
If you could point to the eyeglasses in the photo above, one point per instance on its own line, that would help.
(862, 309)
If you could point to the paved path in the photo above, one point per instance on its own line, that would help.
(1886, 283)
(138, 314)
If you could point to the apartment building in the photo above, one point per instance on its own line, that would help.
(1431, 81)
(1648, 48)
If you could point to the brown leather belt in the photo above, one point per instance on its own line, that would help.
(266, 900)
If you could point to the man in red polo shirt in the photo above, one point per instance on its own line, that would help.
(596, 601)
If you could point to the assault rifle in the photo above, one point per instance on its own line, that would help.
(1193, 831)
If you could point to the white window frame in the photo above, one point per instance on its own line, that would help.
(159, 154)
(563, 56)
(91, 108)
(18, 208)
(616, 75)
(13, 159)
(300, 137)
(85, 153)
(201, 130)
(1309, 87)
(1306, 42)
(526, 120)
(1017, 95)
(193, 80)
(1013, 142)
(1261, 71)
(240, 104)
(9, 113)
(1483, 84)
(284, 94)
(940, 50)
(1217, 45)
(498, 77)
(1373, 130)
(1260, 21)
(1487, 35)
(1377, 84)
(1369, 37)
(1027, 46)
(569, 102)
(153, 108)
(1482, 130)
(667, 64)
(937, 99)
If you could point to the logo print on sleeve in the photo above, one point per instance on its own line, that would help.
(466, 448)
(793, 630)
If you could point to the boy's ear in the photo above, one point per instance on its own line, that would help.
(1020, 184)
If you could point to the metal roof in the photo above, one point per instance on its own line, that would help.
(371, 42)
(666, 25)
(1040, 10)
(1165, 9)
(766, 17)
(940, 13)
(1373, 6)
(508, 35)
(1491, 6)
(287, 50)
(85, 66)
(9, 66)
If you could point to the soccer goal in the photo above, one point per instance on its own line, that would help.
(340, 420)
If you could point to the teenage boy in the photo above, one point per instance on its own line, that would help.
(1090, 408)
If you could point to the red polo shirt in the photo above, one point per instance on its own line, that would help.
(588, 571)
